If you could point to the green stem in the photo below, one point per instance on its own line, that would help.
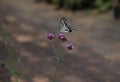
(57, 64)
(9, 52)
(55, 74)
(56, 55)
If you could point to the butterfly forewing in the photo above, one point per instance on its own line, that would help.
(63, 25)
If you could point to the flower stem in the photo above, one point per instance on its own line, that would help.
(57, 64)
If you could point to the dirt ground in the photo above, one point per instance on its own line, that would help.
(96, 53)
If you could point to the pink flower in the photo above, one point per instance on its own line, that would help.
(50, 36)
(69, 46)
(62, 37)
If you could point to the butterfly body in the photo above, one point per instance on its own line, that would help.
(64, 27)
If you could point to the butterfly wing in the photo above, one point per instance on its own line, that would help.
(63, 25)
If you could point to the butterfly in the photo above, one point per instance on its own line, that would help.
(64, 27)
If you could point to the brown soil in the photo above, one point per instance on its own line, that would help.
(95, 58)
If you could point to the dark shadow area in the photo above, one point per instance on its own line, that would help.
(4, 74)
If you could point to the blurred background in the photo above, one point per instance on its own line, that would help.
(96, 41)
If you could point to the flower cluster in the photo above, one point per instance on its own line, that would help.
(61, 37)
(50, 36)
